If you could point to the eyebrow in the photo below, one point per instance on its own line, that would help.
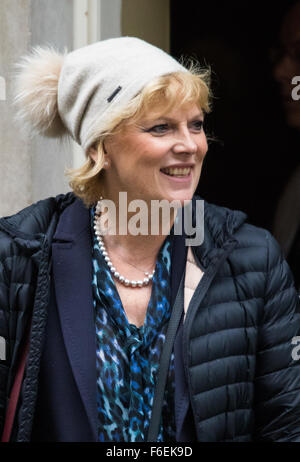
(169, 119)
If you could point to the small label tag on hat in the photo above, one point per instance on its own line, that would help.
(114, 94)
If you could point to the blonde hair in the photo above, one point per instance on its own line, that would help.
(160, 96)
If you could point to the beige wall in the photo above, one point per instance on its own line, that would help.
(29, 169)
(15, 152)
(148, 20)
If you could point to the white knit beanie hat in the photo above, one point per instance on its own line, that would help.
(77, 92)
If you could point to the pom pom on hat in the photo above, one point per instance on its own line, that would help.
(36, 89)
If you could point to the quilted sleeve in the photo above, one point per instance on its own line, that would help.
(277, 382)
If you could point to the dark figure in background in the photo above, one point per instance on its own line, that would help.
(286, 226)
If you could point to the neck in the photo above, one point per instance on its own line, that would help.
(134, 236)
(135, 248)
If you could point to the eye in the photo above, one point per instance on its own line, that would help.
(159, 129)
(197, 125)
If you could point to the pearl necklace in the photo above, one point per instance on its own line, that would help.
(126, 282)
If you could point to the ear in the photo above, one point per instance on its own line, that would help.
(93, 153)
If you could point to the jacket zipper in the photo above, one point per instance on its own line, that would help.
(26, 411)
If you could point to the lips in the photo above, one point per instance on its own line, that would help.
(181, 170)
(177, 171)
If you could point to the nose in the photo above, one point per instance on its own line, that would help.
(185, 143)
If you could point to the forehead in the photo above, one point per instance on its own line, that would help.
(187, 111)
(290, 30)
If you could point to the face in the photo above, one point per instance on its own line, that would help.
(157, 158)
(288, 64)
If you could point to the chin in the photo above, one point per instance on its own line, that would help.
(180, 197)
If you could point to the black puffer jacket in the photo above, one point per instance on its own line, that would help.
(243, 381)
(25, 245)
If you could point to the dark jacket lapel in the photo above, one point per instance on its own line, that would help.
(72, 272)
(184, 426)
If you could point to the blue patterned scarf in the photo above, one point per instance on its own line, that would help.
(128, 356)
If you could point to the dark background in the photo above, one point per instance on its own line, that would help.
(248, 165)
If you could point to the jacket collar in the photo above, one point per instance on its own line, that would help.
(33, 225)
(220, 225)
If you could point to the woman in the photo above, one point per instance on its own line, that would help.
(101, 301)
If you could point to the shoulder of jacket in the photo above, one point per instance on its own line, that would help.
(222, 224)
(249, 234)
(259, 248)
(35, 219)
(237, 225)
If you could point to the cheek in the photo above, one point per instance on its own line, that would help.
(150, 156)
(153, 152)
(203, 147)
